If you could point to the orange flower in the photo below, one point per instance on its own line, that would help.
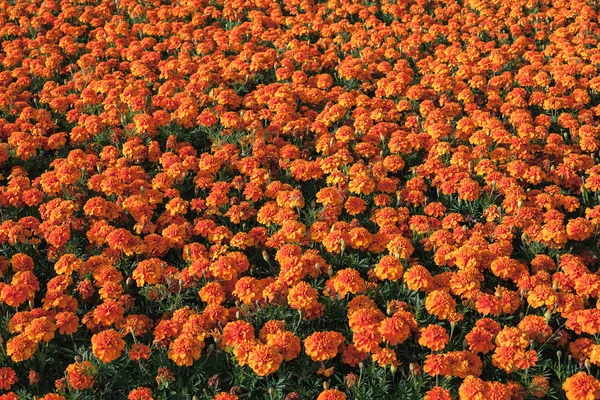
(389, 267)
(331, 394)
(236, 332)
(264, 359)
(20, 348)
(8, 377)
(581, 386)
(321, 346)
(434, 337)
(348, 281)
(80, 375)
(107, 345)
(141, 393)
(440, 304)
(286, 343)
(185, 349)
(437, 393)
(480, 340)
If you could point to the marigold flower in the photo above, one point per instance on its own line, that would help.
(581, 386)
(389, 267)
(236, 332)
(437, 393)
(321, 346)
(107, 345)
(20, 348)
(141, 393)
(434, 337)
(8, 377)
(440, 304)
(264, 359)
(185, 349)
(80, 375)
(331, 394)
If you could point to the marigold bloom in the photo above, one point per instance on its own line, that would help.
(348, 281)
(236, 332)
(264, 359)
(389, 267)
(139, 351)
(141, 393)
(440, 304)
(20, 348)
(331, 394)
(434, 337)
(286, 343)
(80, 375)
(185, 349)
(107, 345)
(581, 386)
(437, 393)
(8, 377)
(321, 346)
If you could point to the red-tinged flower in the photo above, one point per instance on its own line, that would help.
(164, 375)
(53, 396)
(212, 293)
(34, 377)
(352, 356)
(8, 377)
(579, 229)
(80, 375)
(355, 205)
(400, 247)
(418, 278)
(139, 351)
(394, 330)
(149, 272)
(141, 393)
(236, 332)
(302, 296)
(225, 396)
(581, 386)
(436, 364)
(107, 345)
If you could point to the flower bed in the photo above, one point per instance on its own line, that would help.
(254, 199)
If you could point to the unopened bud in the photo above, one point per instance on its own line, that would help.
(325, 385)
(78, 358)
(265, 256)
(393, 369)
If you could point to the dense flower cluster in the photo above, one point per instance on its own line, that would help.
(298, 199)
